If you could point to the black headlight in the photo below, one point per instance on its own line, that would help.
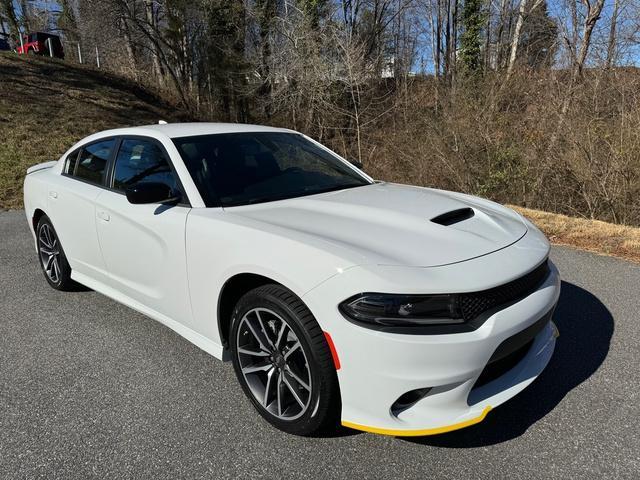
(403, 310)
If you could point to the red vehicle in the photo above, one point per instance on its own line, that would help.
(38, 43)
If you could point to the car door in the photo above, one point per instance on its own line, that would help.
(71, 206)
(144, 245)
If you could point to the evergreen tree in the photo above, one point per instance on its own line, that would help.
(473, 19)
(539, 41)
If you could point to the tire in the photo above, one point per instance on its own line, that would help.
(53, 261)
(298, 375)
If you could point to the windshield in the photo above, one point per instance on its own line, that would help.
(234, 169)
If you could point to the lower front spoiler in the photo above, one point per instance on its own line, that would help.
(485, 398)
(420, 433)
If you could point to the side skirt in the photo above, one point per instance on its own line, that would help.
(197, 339)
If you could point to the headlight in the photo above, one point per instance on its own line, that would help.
(403, 310)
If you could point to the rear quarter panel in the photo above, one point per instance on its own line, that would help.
(35, 188)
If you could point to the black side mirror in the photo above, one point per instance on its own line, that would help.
(356, 164)
(151, 192)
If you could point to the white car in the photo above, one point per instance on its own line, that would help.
(389, 308)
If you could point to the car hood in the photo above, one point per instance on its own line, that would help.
(389, 224)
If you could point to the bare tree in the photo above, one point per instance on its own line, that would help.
(9, 13)
(522, 13)
(592, 15)
(611, 45)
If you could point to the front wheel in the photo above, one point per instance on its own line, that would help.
(283, 362)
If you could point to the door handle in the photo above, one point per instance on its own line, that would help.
(53, 194)
(104, 216)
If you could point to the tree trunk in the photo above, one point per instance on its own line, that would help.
(447, 43)
(487, 43)
(516, 37)
(128, 45)
(10, 14)
(454, 40)
(151, 20)
(26, 24)
(522, 13)
(438, 38)
(500, 34)
(611, 47)
(593, 14)
(573, 41)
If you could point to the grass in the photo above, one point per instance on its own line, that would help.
(592, 235)
(48, 105)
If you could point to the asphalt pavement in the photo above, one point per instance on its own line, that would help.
(92, 389)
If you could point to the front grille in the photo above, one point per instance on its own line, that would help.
(474, 303)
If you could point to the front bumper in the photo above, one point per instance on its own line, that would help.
(378, 368)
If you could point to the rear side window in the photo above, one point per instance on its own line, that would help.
(141, 160)
(93, 161)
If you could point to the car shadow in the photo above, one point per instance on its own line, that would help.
(586, 327)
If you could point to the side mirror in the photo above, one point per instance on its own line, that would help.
(151, 192)
(356, 164)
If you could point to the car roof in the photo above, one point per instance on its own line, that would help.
(176, 130)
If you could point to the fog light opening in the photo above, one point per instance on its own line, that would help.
(408, 400)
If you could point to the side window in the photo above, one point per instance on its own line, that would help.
(141, 160)
(93, 161)
(70, 164)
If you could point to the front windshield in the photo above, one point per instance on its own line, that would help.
(232, 169)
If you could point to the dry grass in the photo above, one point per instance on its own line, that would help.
(48, 105)
(592, 235)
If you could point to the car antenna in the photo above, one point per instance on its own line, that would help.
(162, 122)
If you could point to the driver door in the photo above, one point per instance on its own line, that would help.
(144, 245)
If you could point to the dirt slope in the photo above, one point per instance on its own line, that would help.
(47, 105)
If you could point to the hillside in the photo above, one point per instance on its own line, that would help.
(46, 106)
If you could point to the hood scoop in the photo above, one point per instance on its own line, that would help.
(454, 216)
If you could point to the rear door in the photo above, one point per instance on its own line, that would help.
(71, 205)
(144, 245)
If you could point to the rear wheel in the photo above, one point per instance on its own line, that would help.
(283, 362)
(52, 259)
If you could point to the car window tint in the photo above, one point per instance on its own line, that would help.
(93, 160)
(253, 167)
(141, 161)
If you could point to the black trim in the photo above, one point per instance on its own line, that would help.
(107, 175)
(511, 351)
(454, 216)
(108, 178)
(498, 301)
